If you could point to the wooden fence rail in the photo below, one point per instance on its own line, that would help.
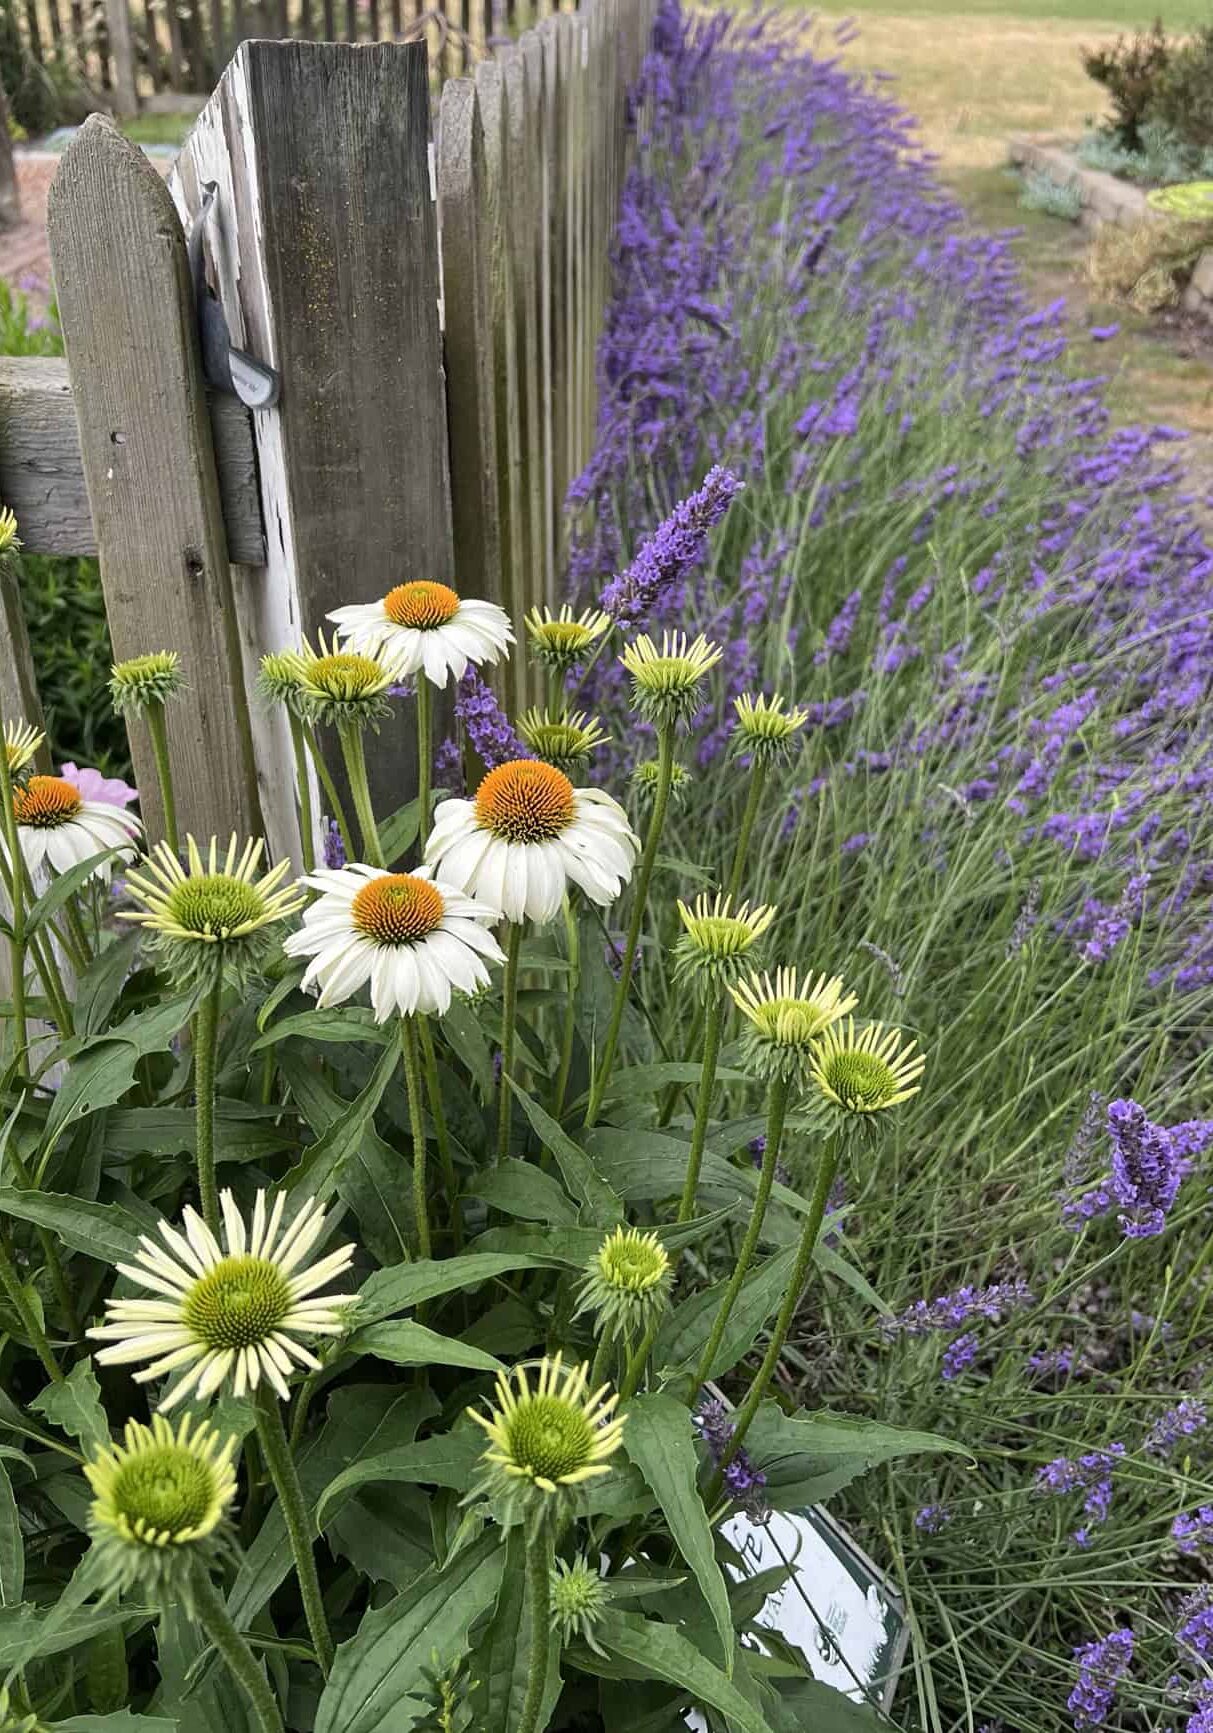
(431, 307)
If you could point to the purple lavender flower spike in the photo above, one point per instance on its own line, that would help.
(1102, 1664)
(485, 723)
(673, 550)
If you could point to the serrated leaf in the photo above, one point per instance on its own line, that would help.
(448, 1460)
(405, 1343)
(96, 1080)
(101, 1230)
(684, 1335)
(658, 1439)
(75, 1407)
(519, 1188)
(578, 1171)
(403, 1285)
(12, 1553)
(658, 1651)
(378, 1682)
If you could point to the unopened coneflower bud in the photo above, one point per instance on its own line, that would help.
(718, 937)
(647, 774)
(765, 731)
(785, 1016)
(142, 681)
(160, 1505)
(281, 677)
(10, 541)
(864, 1073)
(567, 741)
(667, 683)
(561, 641)
(626, 1284)
(579, 1597)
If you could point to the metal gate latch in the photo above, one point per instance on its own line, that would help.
(223, 365)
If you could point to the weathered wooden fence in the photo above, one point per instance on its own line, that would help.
(431, 307)
(128, 51)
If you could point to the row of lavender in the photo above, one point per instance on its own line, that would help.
(995, 606)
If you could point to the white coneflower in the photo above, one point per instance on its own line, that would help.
(765, 731)
(414, 937)
(160, 1502)
(560, 641)
(544, 1441)
(58, 828)
(342, 687)
(568, 740)
(215, 913)
(227, 1316)
(667, 683)
(425, 627)
(21, 742)
(143, 681)
(786, 1015)
(718, 936)
(868, 1072)
(527, 835)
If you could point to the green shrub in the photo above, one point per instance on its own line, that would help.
(1131, 72)
(1183, 95)
(64, 609)
(1053, 198)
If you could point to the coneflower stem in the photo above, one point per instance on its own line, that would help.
(827, 1167)
(50, 1251)
(303, 781)
(80, 938)
(15, 882)
(52, 983)
(699, 1136)
(777, 1107)
(509, 1016)
(206, 1035)
(433, 1090)
(350, 735)
(11, 1282)
(414, 1088)
(538, 1588)
(758, 778)
(330, 794)
(573, 950)
(425, 759)
(154, 715)
(238, 1658)
(648, 859)
(281, 1464)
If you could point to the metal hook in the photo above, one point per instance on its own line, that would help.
(257, 385)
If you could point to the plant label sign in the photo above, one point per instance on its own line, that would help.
(836, 1607)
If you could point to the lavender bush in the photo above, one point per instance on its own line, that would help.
(994, 606)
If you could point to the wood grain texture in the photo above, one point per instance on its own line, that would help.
(19, 700)
(42, 471)
(145, 439)
(324, 254)
(465, 227)
(511, 502)
(124, 97)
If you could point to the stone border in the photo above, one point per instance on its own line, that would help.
(1105, 199)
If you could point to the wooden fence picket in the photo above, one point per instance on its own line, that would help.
(145, 438)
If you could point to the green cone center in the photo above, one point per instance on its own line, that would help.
(860, 1080)
(167, 1489)
(549, 1437)
(238, 1303)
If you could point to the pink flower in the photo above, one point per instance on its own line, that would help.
(93, 786)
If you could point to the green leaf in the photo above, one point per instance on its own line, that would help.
(101, 1230)
(75, 1407)
(122, 1721)
(465, 1037)
(578, 1171)
(658, 1651)
(826, 1258)
(830, 1439)
(97, 1079)
(318, 1169)
(519, 1188)
(501, 1658)
(639, 1080)
(243, 1132)
(99, 987)
(378, 1682)
(447, 1460)
(399, 830)
(684, 1334)
(644, 1166)
(349, 1023)
(407, 1344)
(658, 1439)
(12, 1553)
(62, 887)
(403, 1285)
(28, 1631)
(810, 1703)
